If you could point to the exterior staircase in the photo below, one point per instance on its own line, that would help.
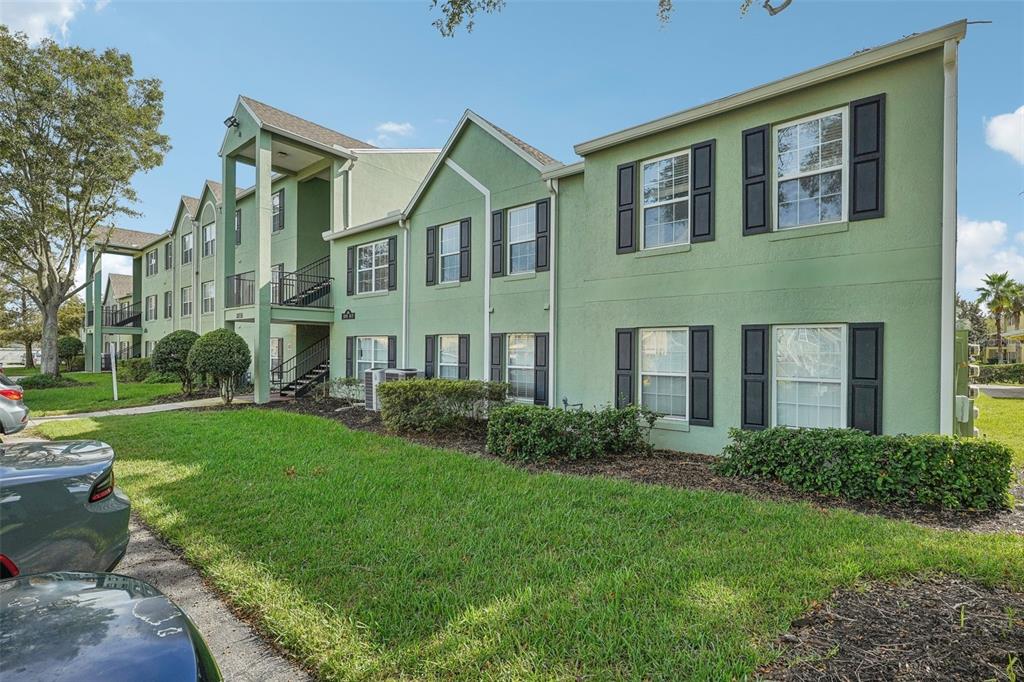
(308, 287)
(298, 375)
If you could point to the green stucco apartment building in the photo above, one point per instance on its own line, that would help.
(782, 256)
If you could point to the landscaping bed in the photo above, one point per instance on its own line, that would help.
(943, 628)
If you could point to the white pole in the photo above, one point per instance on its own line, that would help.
(113, 370)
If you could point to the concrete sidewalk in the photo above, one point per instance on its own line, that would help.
(142, 409)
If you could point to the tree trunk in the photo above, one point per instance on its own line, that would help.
(999, 341)
(48, 346)
(29, 360)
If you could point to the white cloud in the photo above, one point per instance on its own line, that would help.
(389, 131)
(984, 246)
(1005, 133)
(40, 19)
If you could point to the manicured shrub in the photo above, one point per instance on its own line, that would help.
(349, 389)
(170, 355)
(534, 432)
(952, 472)
(222, 355)
(438, 405)
(134, 370)
(67, 348)
(161, 378)
(36, 381)
(1002, 374)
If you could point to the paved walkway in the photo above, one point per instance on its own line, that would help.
(1001, 391)
(142, 409)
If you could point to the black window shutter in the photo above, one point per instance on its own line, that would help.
(625, 239)
(350, 272)
(867, 158)
(431, 256)
(543, 235)
(350, 343)
(463, 356)
(392, 351)
(756, 187)
(497, 357)
(865, 372)
(702, 362)
(540, 369)
(392, 263)
(702, 197)
(625, 370)
(465, 229)
(497, 244)
(756, 372)
(431, 356)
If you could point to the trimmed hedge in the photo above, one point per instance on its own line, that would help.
(134, 370)
(534, 432)
(37, 381)
(1002, 374)
(223, 355)
(944, 471)
(161, 378)
(438, 404)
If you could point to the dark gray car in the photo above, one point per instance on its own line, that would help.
(97, 626)
(60, 509)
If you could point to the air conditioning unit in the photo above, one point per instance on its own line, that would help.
(371, 380)
(962, 408)
(976, 413)
(974, 371)
(972, 392)
(399, 374)
(977, 432)
(974, 349)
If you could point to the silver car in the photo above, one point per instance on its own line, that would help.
(60, 508)
(13, 412)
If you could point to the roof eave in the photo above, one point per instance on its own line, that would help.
(386, 221)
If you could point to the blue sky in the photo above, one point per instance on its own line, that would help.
(553, 73)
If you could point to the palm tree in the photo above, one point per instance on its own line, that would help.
(997, 294)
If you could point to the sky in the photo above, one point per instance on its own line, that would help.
(555, 74)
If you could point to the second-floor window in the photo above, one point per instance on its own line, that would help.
(208, 297)
(665, 195)
(168, 304)
(151, 303)
(810, 162)
(277, 210)
(169, 255)
(186, 301)
(522, 235)
(151, 263)
(209, 239)
(450, 258)
(372, 267)
(186, 248)
(238, 226)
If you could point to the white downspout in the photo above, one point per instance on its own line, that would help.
(552, 261)
(948, 287)
(487, 259)
(404, 225)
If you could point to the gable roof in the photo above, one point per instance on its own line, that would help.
(529, 149)
(118, 237)
(118, 286)
(191, 204)
(273, 117)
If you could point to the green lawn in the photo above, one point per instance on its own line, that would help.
(20, 371)
(1002, 419)
(367, 557)
(95, 393)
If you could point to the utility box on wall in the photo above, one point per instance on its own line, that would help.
(964, 411)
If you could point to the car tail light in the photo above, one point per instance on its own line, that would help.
(7, 567)
(11, 393)
(103, 486)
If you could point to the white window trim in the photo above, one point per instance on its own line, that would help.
(685, 374)
(152, 262)
(212, 298)
(155, 310)
(186, 299)
(356, 361)
(277, 210)
(372, 269)
(843, 168)
(187, 252)
(843, 381)
(441, 254)
(509, 366)
(212, 242)
(439, 355)
(508, 226)
(644, 207)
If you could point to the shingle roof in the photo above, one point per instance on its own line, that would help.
(301, 127)
(191, 204)
(125, 239)
(528, 148)
(119, 286)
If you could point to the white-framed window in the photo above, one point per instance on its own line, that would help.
(168, 304)
(276, 355)
(186, 301)
(151, 262)
(372, 267)
(664, 371)
(520, 364)
(151, 307)
(238, 226)
(371, 353)
(277, 211)
(208, 295)
(665, 195)
(450, 252)
(448, 356)
(186, 248)
(809, 370)
(522, 239)
(169, 254)
(810, 170)
(148, 349)
(209, 239)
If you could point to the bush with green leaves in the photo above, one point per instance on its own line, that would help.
(68, 347)
(37, 381)
(170, 355)
(134, 370)
(1002, 374)
(535, 432)
(438, 405)
(931, 470)
(349, 389)
(161, 378)
(222, 355)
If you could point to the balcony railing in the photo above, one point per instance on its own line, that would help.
(299, 374)
(308, 287)
(122, 316)
(240, 290)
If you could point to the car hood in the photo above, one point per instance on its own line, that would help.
(45, 460)
(64, 626)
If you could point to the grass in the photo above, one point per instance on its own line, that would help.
(20, 371)
(368, 557)
(95, 393)
(1002, 419)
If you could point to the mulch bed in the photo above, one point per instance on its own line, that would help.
(934, 629)
(682, 470)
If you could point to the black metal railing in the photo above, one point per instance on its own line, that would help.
(122, 316)
(240, 290)
(125, 353)
(307, 287)
(300, 373)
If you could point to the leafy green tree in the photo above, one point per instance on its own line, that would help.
(971, 314)
(222, 355)
(68, 348)
(75, 127)
(19, 320)
(170, 355)
(997, 293)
